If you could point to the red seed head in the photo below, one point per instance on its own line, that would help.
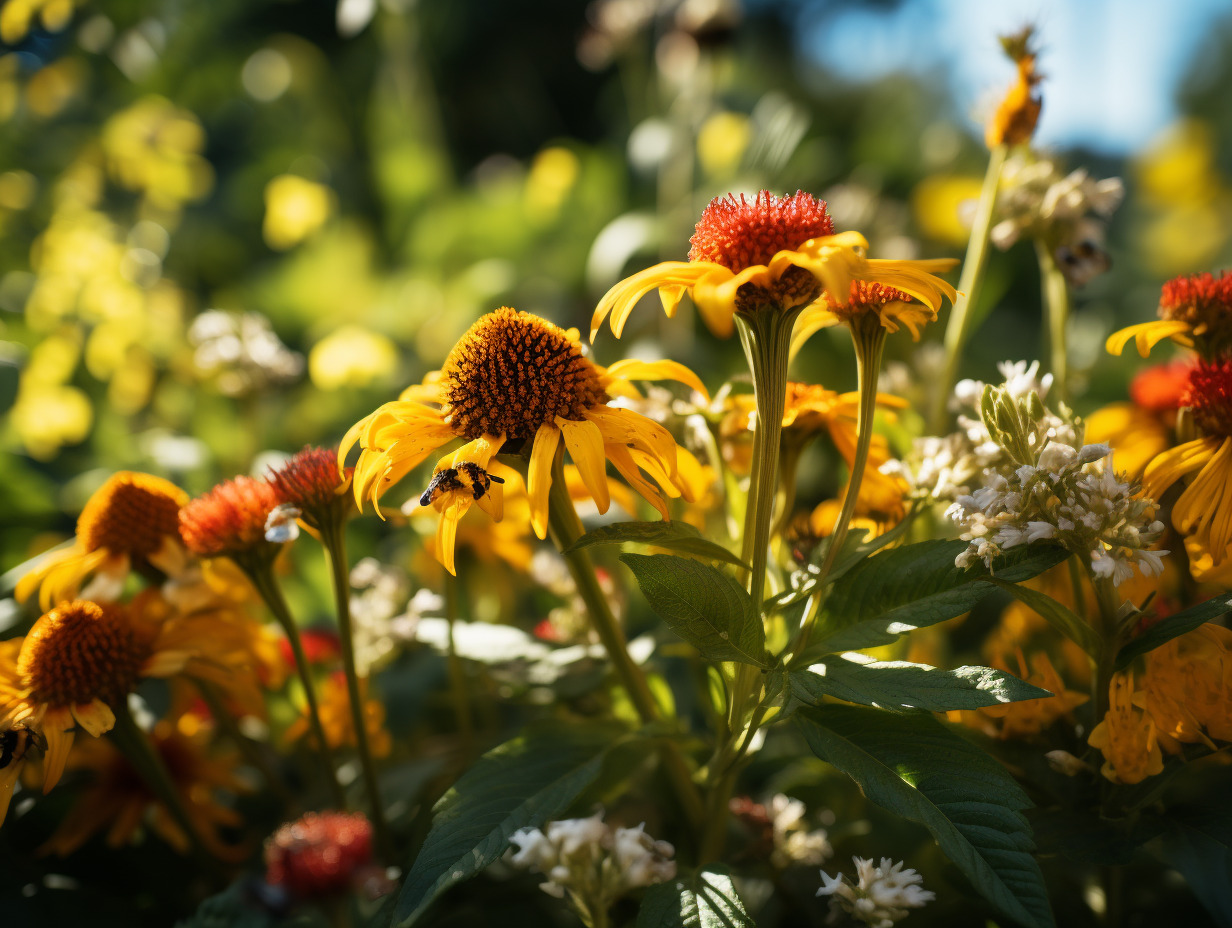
(739, 233)
(318, 854)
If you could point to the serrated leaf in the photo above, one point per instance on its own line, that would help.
(523, 783)
(708, 899)
(899, 685)
(1057, 614)
(676, 536)
(702, 605)
(914, 766)
(1174, 626)
(1196, 841)
(902, 589)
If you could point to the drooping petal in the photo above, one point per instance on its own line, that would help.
(633, 369)
(95, 717)
(59, 734)
(619, 301)
(1146, 335)
(625, 427)
(1175, 463)
(814, 318)
(623, 461)
(585, 444)
(539, 476)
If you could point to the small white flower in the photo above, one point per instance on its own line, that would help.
(881, 895)
(280, 524)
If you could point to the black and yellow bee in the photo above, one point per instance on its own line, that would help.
(15, 743)
(450, 479)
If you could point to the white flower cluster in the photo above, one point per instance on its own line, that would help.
(879, 897)
(241, 351)
(380, 612)
(944, 467)
(1070, 495)
(794, 842)
(592, 861)
(1066, 210)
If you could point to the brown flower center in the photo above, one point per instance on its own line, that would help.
(81, 651)
(131, 514)
(513, 372)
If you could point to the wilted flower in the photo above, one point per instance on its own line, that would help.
(880, 896)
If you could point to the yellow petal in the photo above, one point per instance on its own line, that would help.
(95, 717)
(619, 301)
(623, 461)
(1146, 335)
(59, 742)
(632, 369)
(447, 531)
(1175, 463)
(585, 444)
(539, 476)
(625, 427)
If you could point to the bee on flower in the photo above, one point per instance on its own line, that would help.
(518, 383)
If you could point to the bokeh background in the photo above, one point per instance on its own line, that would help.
(234, 227)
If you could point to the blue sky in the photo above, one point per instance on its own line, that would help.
(1112, 66)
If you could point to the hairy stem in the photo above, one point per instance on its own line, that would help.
(961, 323)
(333, 537)
(262, 576)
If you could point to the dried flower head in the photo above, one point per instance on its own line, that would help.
(229, 520)
(310, 482)
(1014, 120)
(319, 854)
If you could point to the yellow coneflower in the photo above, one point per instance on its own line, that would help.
(1194, 311)
(337, 721)
(130, 523)
(119, 801)
(892, 307)
(515, 381)
(771, 251)
(1203, 513)
(82, 658)
(1126, 737)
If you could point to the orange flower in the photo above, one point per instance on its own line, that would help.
(229, 520)
(1014, 121)
(1126, 737)
(1194, 311)
(129, 524)
(336, 720)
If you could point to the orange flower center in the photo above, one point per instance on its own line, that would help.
(866, 295)
(81, 651)
(229, 519)
(737, 233)
(1202, 300)
(1209, 395)
(131, 514)
(513, 372)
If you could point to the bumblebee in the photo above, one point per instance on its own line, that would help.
(16, 743)
(450, 479)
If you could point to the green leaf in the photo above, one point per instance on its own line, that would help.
(676, 536)
(914, 766)
(1060, 616)
(1197, 842)
(902, 589)
(523, 783)
(708, 899)
(1173, 626)
(899, 685)
(704, 606)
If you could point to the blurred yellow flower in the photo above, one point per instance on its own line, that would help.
(1029, 717)
(51, 88)
(938, 204)
(722, 141)
(17, 17)
(1185, 688)
(1136, 435)
(154, 148)
(49, 416)
(337, 720)
(352, 357)
(553, 173)
(1126, 737)
(295, 208)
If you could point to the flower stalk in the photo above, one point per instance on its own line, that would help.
(260, 572)
(1056, 308)
(962, 323)
(565, 528)
(333, 539)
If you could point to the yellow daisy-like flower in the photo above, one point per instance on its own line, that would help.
(771, 252)
(1126, 737)
(82, 658)
(1135, 434)
(1194, 311)
(1203, 512)
(119, 801)
(1185, 688)
(517, 382)
(130, 523)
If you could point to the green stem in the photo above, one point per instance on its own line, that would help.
(262, 576)
(961, 323)
(868, 336)
(333, 539)
(248, 747)
(457, 674)
(565, 528)
(1056, 303)
(139, 750)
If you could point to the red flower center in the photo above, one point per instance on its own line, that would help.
(1201, 300)
(739, 233)
(1209, 395)
(229, 519)
(318, 854)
